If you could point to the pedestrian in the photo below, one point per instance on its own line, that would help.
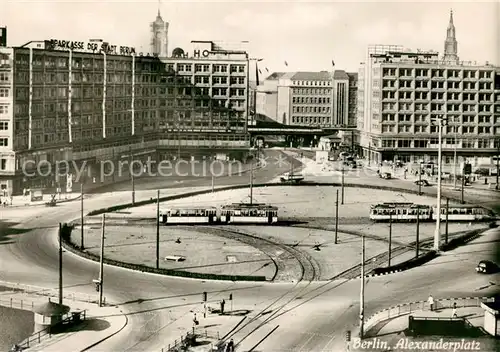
(195, 320)
(454, 311)
(431, 302)
(230, 346)
(222, 304)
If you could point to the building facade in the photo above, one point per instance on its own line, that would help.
(319, 99)
(159, 36)
(404, 91)
(77, 101)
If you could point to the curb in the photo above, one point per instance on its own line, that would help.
(37, 205)
(459, 241)
(373, 320)
(109, 336)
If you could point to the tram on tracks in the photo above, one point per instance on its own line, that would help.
(189, 215)
(464, 212)
(227, 214)
(404, 212)
(249, 213)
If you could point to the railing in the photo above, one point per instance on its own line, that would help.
(37, 337)
(188, 339)
(407, 308)
(51, 292)
(17, 303)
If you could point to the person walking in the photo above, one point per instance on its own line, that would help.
(230, 346)
(454, 311)
(222, 304)
(430, 300)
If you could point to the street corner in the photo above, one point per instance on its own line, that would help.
(431, 343)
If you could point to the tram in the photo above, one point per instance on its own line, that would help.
(400, 212)
(248, 213)
(189, 215)
(464, 212)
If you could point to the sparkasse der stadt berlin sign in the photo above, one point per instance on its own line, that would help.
(91, 47)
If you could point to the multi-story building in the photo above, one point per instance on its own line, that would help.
(307, 98)
(402, 92)
(212, 89)
(80, 101)
(159, 36)
(266, 99)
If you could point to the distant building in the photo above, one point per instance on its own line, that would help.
(159, 36)
(451, 44)
(402, 91)
(267, 97)
(3, 37)
(306, 98)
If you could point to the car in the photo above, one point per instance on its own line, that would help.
(487, 267)
(422, 183)
(385, 175)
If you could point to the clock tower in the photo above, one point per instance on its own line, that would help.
(159, 36)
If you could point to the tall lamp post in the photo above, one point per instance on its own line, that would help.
(498, 161)
(440, 120)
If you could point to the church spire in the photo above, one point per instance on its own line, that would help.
(450, 44)
(159, 5)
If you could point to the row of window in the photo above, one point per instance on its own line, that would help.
(441, 73)
(309, 91)
(482, 97)
(215, 68)
(321, 120)
(312, 109)
(425, 129)
(313, 83)
(480, 108)
(310, 100)
(419, 118)
(409, 84)
(76, 77)
(425, 143)
(87, 63)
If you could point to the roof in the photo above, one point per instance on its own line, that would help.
(352, 75)
(312, 76)
(340, 74)
(50, 309)
(275, 76)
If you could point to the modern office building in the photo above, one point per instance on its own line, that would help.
(319, 99)
(402, 92)
(159, 36)
(78, 101)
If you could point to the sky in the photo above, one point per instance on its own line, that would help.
(307, 35)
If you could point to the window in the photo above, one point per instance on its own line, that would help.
(3, 164)
(4, 142)
(4, 77)
(4, 125)
(4, 109)
(4, 92)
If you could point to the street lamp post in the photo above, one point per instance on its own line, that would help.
(362, 290)
(455, 159)
(498, 162)
(440, 120)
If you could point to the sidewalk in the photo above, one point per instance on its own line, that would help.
(100, 323)
(392, 331)
(24, 201)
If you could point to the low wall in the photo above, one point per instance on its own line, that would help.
(407, 308)
(68, 245)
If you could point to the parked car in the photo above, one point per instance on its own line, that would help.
(487, 267)
(385, 175)
(422, 183)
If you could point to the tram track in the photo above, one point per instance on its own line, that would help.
(377, 261)
(309, 269)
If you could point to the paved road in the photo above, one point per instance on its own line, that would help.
(31, 258)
